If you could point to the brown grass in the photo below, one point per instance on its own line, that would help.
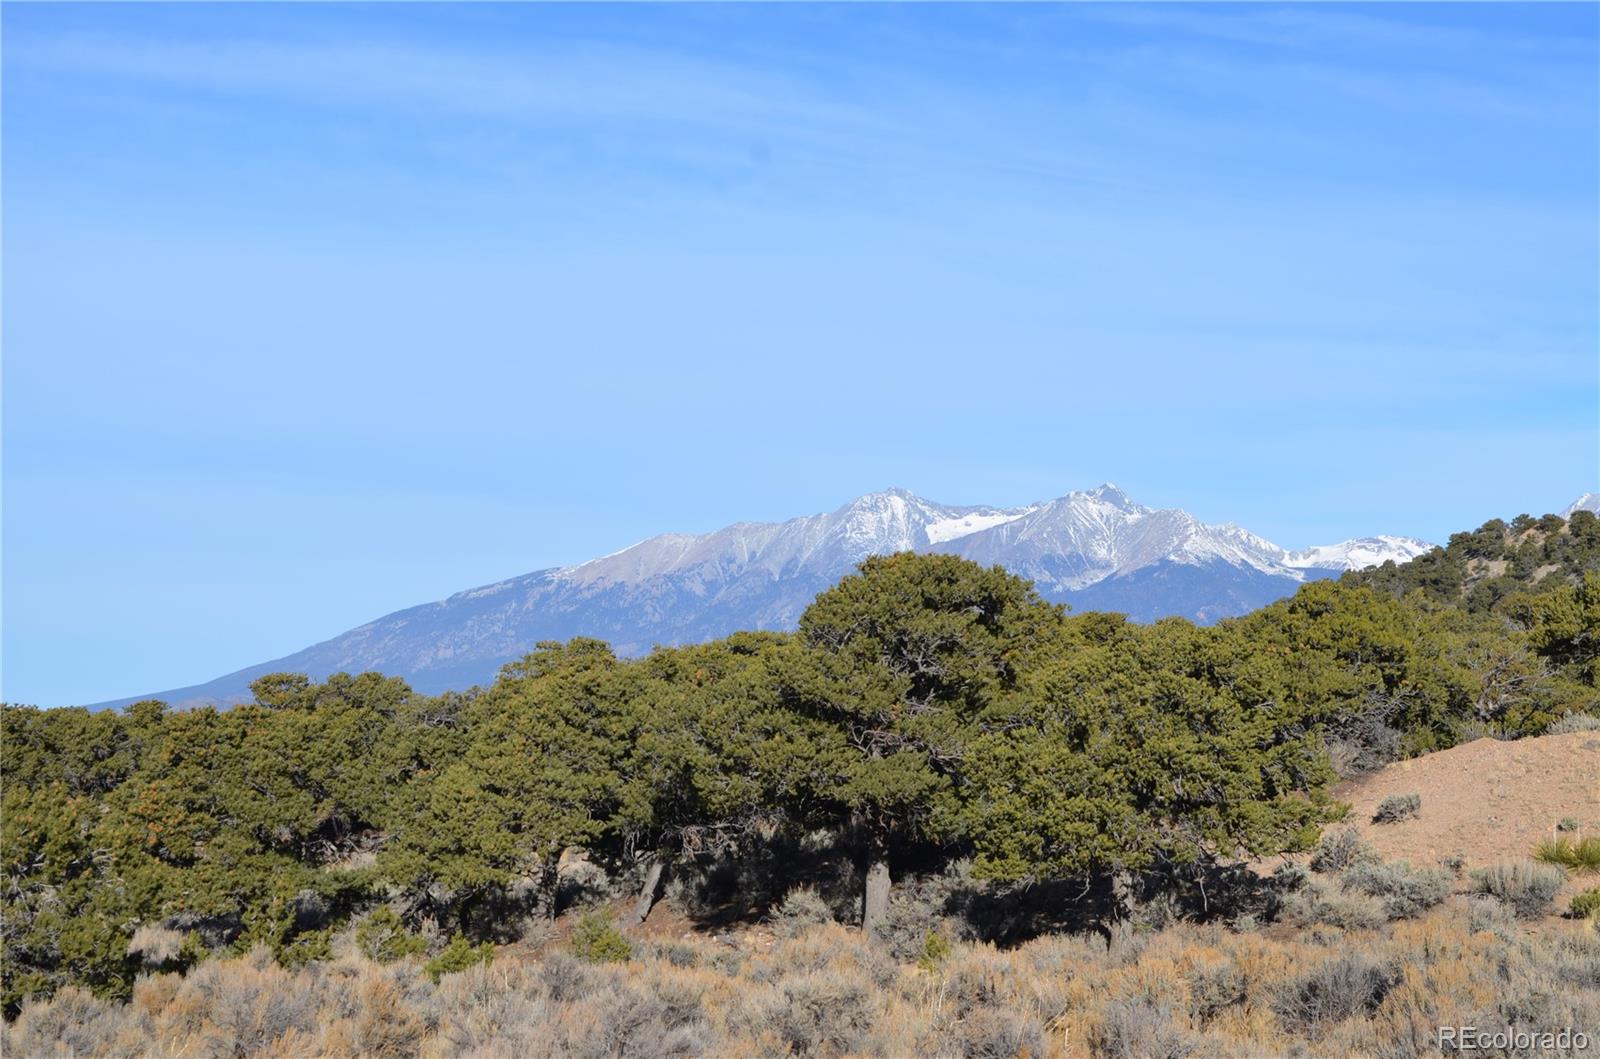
(1184, 991)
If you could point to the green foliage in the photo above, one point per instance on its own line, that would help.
(1479, 570)
(540, 768)
(935, 950)
(1579, 856)
(1586, 905)
(308, 947)
(1542, 576)
(382, 936)
(459, 955)
(1564, 626)
(597, 940)
(235, 819)
(1137, 748)
(717, 753)
(900, 663)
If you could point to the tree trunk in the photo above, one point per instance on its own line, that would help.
(649, 893)
(550, 885)
(1124, 893)
(875, 899)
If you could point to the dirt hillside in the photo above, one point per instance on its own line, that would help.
(1485, 801)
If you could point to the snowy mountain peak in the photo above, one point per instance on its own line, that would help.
(1108, 493)
(1062, 545)
(1095, 549)
(890, 521)
(1357, 554)
(885, 497)
(1589, 502)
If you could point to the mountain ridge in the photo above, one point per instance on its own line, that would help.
(1092, 549)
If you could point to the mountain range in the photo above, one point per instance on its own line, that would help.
(1095, 550)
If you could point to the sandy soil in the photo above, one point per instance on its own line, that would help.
(1486, 801)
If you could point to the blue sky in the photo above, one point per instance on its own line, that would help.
(314, 312)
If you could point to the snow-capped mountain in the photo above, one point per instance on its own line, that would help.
(1357, 554)
(1589, 502)
(1094, 549)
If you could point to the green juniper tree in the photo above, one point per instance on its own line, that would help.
(717, 759)
(1128, 753)
(902, 661)
(541, 771)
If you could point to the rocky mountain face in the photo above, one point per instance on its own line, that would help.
(1094, 550)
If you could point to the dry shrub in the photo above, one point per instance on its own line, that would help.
(1342, 987)
(1188, 991)
(1066, 954)
(155, 944)
(801, 909)
(249, 1007)
(819, 1013)
(1137, 1028)
(828, 947)
(1574, 722)
(978, 982)
(74, 1023)
(1406, 892)
(490, 1008)
(1319, 903)
(1526, 887)
(1339, 849)
(1397, 807)
(1448, 973)
(1214, 988)
(385, 1022)
(1549, 983)
(999, 1033)
(1487, 914)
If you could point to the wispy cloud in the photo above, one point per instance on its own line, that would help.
(1115, 104)
(574, 83)
(1377, 32)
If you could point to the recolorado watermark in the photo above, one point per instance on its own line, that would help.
(1468, 1039)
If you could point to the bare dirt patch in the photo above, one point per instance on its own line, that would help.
(1485, 802)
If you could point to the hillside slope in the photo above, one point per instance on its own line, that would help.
(1485, 801)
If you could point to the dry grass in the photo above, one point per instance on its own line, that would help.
(155, 945)
(1184, 991)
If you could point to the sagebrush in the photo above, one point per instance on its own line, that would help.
(828, 992)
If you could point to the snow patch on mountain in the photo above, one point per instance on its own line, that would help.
(1357, 554)
(949, 529)
(1225, 543)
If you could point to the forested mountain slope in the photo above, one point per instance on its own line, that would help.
(1483, 569)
